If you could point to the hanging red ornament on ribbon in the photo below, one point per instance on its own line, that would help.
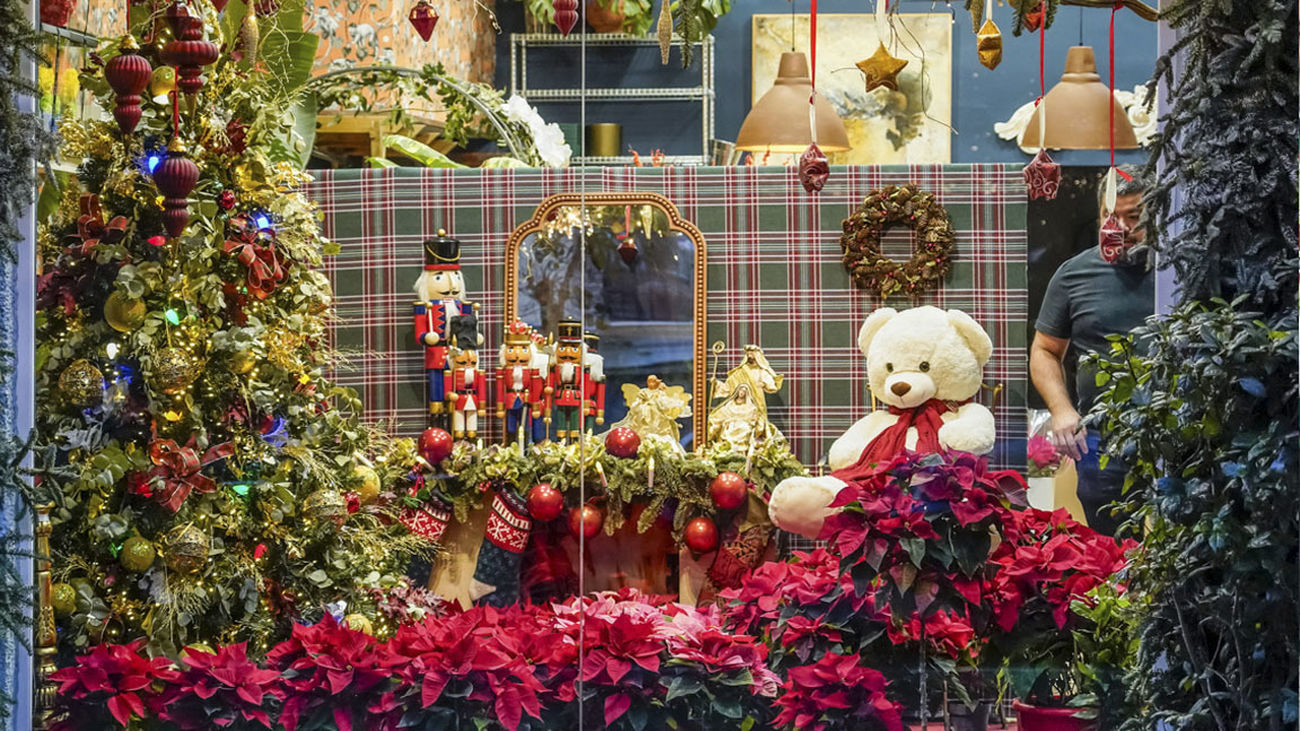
(1042, 174)
(175, 177)
(188, 52)
(424, 18)
(566, 15)
(128, 73)
(814, 168)
(1113, 237)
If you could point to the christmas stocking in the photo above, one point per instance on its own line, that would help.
(496, 576)
(429, 521)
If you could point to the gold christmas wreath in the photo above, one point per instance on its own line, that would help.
(931, 253)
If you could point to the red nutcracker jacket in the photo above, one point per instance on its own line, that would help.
(518, 389)
(435, 317)
(567, 392)
(464, 384)
(595, 397)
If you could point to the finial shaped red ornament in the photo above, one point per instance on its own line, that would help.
(128, 73)
(175, 177)
(424, 17)
(566, 15)
(187, 50)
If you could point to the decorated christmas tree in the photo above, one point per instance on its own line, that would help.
(212, 484)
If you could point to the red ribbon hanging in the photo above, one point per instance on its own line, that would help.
(1111, 111)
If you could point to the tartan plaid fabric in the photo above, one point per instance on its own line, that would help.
(775, 277)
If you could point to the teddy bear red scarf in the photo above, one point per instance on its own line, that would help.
(892, 441)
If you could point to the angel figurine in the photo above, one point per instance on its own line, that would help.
(655, 409)
(741, 418)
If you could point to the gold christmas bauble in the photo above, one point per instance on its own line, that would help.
(201, 647)
(325, 505)
(137, 554)
(359, 622)
(173, 370)
(368, 489)
(162, 82)
(242, 361)
(186, 549)
(63, 599)
(81, 384)
(123, 312)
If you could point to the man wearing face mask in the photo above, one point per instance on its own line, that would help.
(1107, 289)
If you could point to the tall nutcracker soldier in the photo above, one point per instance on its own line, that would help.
(466, 390)
(595, 364)
(568, 387)
(441, 291)
(518, 384)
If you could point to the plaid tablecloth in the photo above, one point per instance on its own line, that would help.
(775, 277)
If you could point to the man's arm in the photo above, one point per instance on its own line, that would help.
(1046, 356)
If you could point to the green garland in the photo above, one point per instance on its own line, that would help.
(680, 478)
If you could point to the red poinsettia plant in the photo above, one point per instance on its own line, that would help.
(332, 676)
(1043, 578)
(837, 692)
(222, 689)
(110, 686)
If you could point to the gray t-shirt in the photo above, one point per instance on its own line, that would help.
(1089, 299)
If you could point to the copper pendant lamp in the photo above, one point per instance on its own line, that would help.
(778, 123)
(1077, 109)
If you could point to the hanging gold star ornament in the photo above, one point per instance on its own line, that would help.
(989, 44)
(881, 69)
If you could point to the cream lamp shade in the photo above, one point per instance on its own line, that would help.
(778, 123)
(1077, 109)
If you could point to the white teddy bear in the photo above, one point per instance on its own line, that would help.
(923, 363)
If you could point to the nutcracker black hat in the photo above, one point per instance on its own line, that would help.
(441, 252)
(592, 340)
(569, 331)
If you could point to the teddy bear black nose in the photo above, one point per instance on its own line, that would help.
(900, 388)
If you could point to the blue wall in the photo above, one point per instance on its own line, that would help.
(980, 97)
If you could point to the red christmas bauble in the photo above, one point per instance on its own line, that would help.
(566, 15)
(587, 519)
(423, 18)
(545, 502)
(175, 177)
(435, 445)
(128, 73)
(622, 442)
(701, 535)
(188, 52)
(728, 490)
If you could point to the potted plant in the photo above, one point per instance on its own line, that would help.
(1043, 462)
(1048, 578)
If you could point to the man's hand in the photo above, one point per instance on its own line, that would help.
(1068, 434)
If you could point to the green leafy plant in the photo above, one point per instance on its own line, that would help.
(1202, 405)
(695, 19)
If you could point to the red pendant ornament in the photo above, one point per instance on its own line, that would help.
(1042, 177)
(424, 18)
(220, 5)
(627, 251)
(435, 445)
(622, 442)
(728, 490)
(545, 502)
(128, 73)
(701, 535)
(1113, 237)
(566, 15)
(175, 177)
(814, 168)
(188, 52)
(586, 520)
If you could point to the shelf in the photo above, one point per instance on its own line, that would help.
(645, 160)
(598, 39)
(686, 93)
(76, 37)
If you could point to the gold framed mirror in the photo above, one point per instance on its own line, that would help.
(641, 288)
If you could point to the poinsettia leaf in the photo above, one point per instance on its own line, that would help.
(616, 705)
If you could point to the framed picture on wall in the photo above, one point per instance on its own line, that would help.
(907, 126)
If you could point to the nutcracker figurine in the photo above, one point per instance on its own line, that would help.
(595, 365)
(519, 384)
(466, 390)
(441, 291)
(567, 384)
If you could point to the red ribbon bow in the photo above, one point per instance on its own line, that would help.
(91, 227)
(265, 270)
(178, 467)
